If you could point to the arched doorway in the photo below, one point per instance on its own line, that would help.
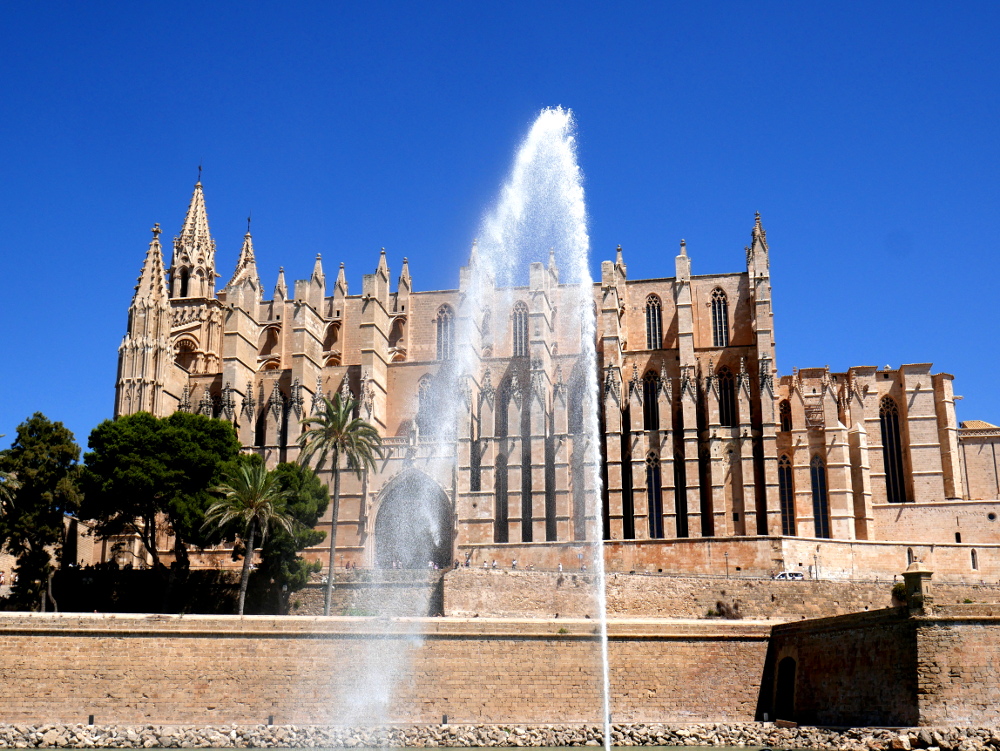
(413, 525)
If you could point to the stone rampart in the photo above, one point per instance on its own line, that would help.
(505, 593)
(209, 670)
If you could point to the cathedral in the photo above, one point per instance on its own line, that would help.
(706, 453)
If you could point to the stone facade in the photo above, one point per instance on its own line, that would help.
(700, 437)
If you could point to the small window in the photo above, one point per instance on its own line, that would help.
(909, 556)
(958, 537)
(975, 560)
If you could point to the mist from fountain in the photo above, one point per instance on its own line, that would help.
(540, 214)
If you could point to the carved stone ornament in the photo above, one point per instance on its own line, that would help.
(345, 388)
(185, 405)
(277, 402)
(295, 400)
(207, 404)
(228, 403)
(743, 378)
(248, 406)
(515, 390)
(486, 390)
(317, 400)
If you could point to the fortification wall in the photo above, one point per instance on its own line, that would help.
(207, 670)
(505, 593)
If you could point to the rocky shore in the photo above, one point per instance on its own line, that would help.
(441, 736)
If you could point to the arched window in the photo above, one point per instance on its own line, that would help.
(501, 417)
(332, 337)
(680, 495)
(650, 407)
(720, 319)
(519, 321)
(654, 323)
(486, 328)
(445, 333)
(184, 283)
(268, 342)
(786, 494)
(975, 560)
(728, 414)
(785, 415)
(909, 556)
(821, 504)
(654, 496)
(892, 454)
(186, 354)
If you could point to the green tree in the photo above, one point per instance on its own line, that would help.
(142, 471)
(281, 565)
(44, 459)
(336, 434)
(253, 501)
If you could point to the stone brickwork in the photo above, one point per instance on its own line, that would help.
(889, 668)
(528, 594)
(216, 671)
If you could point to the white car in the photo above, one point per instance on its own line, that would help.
(789, 576)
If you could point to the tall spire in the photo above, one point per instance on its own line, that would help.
(152, 282)
(404, 274)
(246, 265)
(341, 283)
(192, 268)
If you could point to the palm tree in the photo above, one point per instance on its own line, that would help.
(253, 499)
(336, 434)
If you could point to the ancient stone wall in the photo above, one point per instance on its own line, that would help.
(506, 593)
(206, 670)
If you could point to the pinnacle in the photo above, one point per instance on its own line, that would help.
(153, 279)
(246, 265)
(195, 229)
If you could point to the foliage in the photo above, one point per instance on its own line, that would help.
(44, 459)
(899, 592)
(336, 434)
(141, 467)
(282, 571)
(253, 502)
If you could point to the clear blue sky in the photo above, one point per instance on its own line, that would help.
(865, 133)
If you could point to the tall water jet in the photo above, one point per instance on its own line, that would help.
(540, 215)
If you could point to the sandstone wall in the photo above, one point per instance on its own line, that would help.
(208, 670)
(506, 593)
(849, 671)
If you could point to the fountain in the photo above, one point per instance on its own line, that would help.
(539, 215)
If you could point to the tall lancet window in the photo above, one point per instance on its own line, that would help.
(786, 493)
(654, 496)
(654, 323)
(650, 406)
(519, 321)
(821, 503)
(720, 319)
(728, 414)
(445, 333)
(785, 414)
(892, 453)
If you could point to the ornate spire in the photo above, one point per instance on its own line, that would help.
(281, 289)
(192, 268)
(152, 281)
(474, 253)
(383, 266)
(404, 275)
(758, 233)
(246, 265)
(341, 280)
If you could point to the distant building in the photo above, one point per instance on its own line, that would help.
(700, 437)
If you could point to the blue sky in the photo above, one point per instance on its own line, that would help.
(866, 134)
